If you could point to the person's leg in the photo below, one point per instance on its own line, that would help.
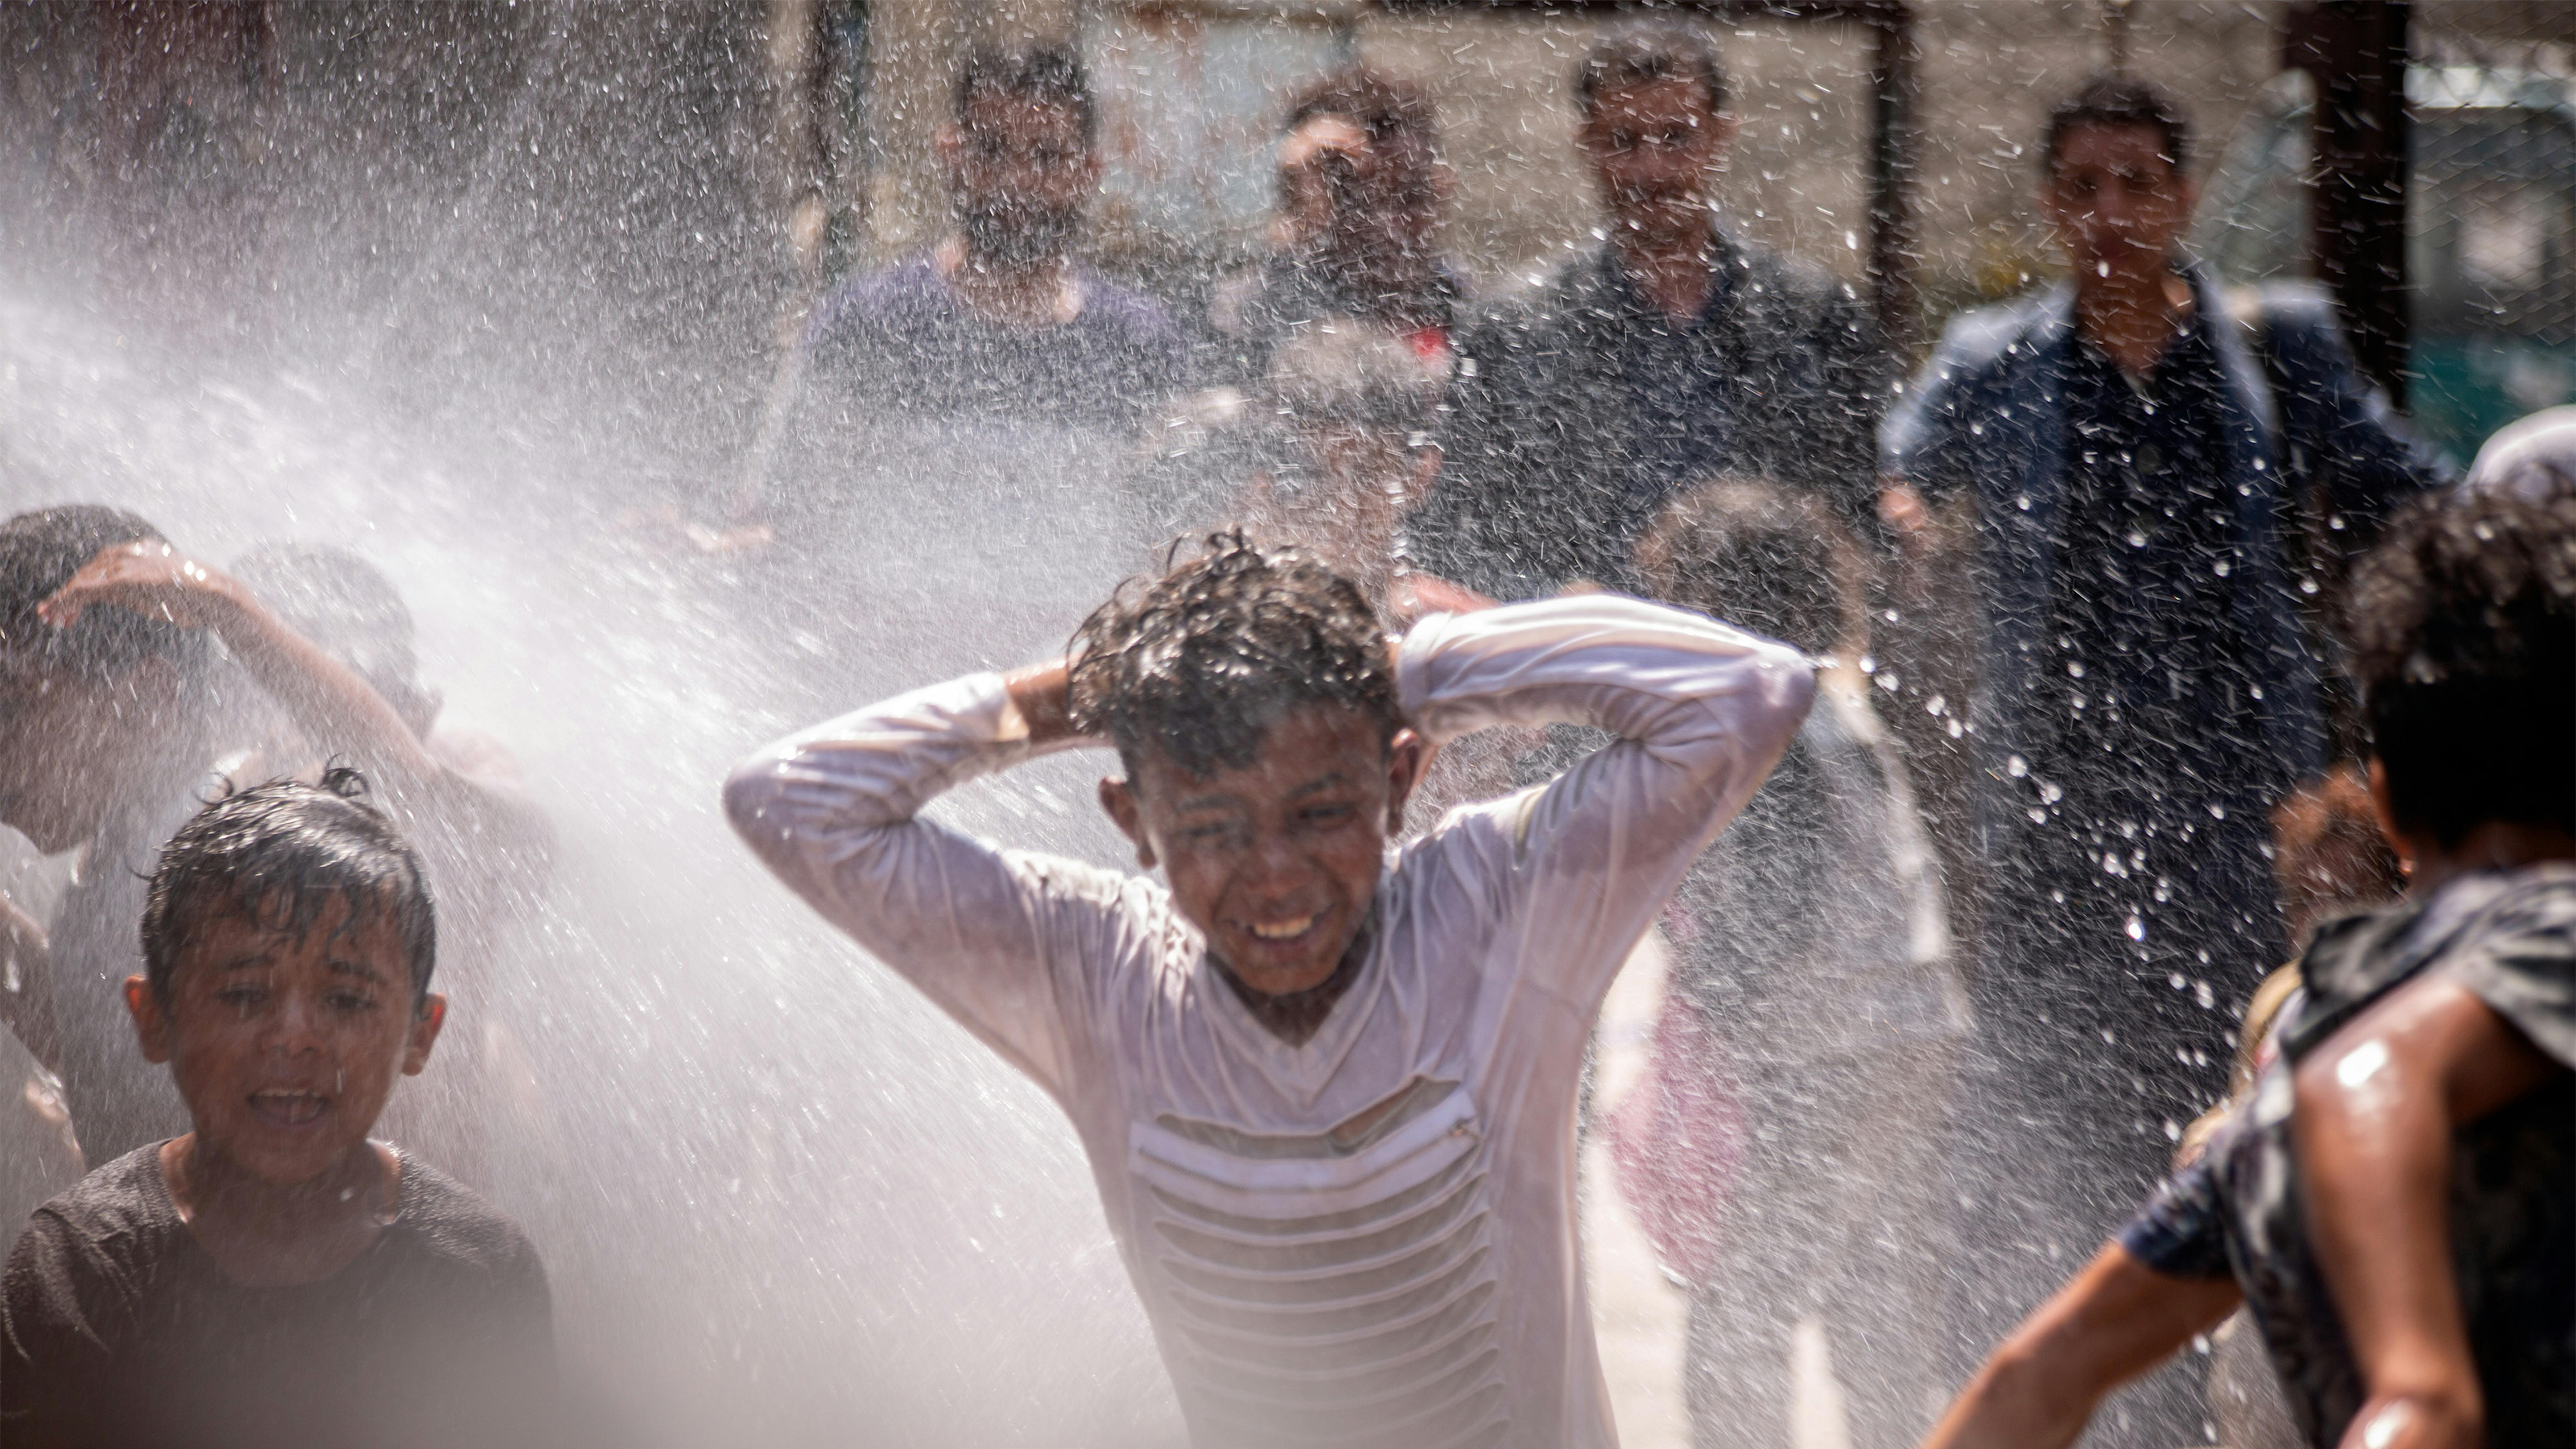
(1736, 1382)
(1881, 1296)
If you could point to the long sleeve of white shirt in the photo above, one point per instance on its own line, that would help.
(1450, 1064)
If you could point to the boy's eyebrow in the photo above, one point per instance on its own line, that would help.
(1320, 782)
(341, 966)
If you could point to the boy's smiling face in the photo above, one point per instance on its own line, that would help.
(1277, 862)
(284, 1045)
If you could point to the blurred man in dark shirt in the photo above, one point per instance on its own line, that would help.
(1670, 352)
(2145, 691)
(997, 323)
(1361, 189)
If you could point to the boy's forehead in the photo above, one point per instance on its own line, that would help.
(1300, 746)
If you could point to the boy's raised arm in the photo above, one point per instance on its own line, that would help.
(1702, 711)
(834, 812)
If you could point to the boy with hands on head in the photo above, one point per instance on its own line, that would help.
(1326, 1082)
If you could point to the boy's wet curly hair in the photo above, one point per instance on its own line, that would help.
(2462, 625)
(278, 853)
(1200, 662)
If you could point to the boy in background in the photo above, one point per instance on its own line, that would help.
(2397, 1201)
(272, 1276)
(352, 701)
(1326, 1084)
(1811, 948)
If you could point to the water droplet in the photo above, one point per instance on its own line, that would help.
(2016, 766)
(2136, 928)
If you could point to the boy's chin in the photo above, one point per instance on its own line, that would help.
(289, 1155)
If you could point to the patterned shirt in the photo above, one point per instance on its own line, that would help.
(2510, 938)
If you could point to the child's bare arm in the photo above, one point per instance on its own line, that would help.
(2378, 1104)
(27, 985)
(2115, 1320)
(1038, 693)
(1702, 712)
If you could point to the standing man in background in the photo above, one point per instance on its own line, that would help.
(997, 322)
(1670, 352)
(2146, 691)
(1361, 190)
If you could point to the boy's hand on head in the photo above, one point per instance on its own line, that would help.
(1038, 694)
(1411, 596)
(148, 577)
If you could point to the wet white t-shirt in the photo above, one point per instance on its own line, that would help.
(1368, 1238)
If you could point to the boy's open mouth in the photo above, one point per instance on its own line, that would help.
(1288, 929)
(289, 1109)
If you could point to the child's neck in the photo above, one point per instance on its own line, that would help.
(2494, 845)
(266, 1234)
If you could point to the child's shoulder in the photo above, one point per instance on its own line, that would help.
(123, 1201)
(460, 1227)
(107, 1236)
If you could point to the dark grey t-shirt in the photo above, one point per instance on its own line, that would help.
(121, 1330)
(2509, 937)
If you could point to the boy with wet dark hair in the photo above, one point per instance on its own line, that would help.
(332, 704)
(1326, 1082)
(272, 1276)
(2397, 1201)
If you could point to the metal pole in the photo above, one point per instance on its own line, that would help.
(1891, 161)
(2356, 52)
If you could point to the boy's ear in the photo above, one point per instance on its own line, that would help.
(151, 1023)
(1406, 755)
(1118, 797)
(424, 1033)
(2382, 806)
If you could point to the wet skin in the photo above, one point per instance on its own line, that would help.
(2119, 209)
(285, 1048)
(1021, 165)
(72, 748)
(1654, 149)
(2114, 199)
(1276, 862)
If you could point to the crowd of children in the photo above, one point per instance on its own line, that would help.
(1328, 1054)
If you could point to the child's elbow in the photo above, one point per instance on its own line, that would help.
(1789, 691)
(751, 798)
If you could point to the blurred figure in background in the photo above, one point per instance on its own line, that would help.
(2146, 691)
(2331, 858)
(109, 728)
(347, 696)
(998, 322)
(1327, 452)
(488, 847)
(1361, 189)
(1811, 952)
(2396, 1202)
(1672, 351)
(2329, 854)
